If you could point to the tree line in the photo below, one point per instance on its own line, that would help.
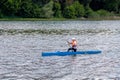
(59, 8)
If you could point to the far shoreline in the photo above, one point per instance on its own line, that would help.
(61, 19)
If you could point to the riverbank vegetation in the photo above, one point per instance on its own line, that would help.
(59, 9)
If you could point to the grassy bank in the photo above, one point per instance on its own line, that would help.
(32, 19)
(59, 19)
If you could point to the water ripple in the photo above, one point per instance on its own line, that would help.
(23, 42)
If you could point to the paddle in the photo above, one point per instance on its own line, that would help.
(68, 43)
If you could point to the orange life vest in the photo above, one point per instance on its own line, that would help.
(74, 43)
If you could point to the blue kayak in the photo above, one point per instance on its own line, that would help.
(59, 53)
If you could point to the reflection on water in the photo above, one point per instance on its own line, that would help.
(20, 50)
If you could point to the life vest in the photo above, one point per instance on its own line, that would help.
(74, 43)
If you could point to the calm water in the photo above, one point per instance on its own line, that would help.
(20, 54)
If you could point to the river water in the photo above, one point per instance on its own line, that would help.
(20, 50)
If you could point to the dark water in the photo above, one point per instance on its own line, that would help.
(20, 53)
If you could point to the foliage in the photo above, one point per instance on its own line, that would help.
(85, 2)
(10, 7)
(59, 8)
(26, 9)
(69, 12)
(74, 10)
(79, 9)
(112, 5)
(46, 11)
(89, 13)
(1, 15)
(29, 9)
(41, 3)
(104, 13)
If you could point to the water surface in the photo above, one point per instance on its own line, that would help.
(20, 53)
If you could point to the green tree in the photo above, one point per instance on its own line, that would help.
(79, 9)
(26, 9)
(29, 9)
(104, 13)
(85, 2)
(112, 5)
(47, 10)
(41, 3)
(1, 14)
(36, 10)
(89, 13)
(69, 12)
(57, 10)
(10, 7)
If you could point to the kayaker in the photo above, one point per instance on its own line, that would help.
(73, 45)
